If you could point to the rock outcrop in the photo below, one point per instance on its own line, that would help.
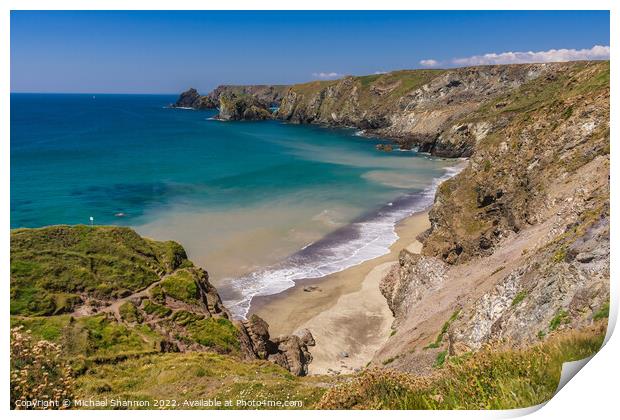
(240, 107)
(290, 352)
(192, 99)
(519, 241)
(269, 95)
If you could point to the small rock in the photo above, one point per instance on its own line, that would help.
(585, 257)
(384, 147)
(343, 354)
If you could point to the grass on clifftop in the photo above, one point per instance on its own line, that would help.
(493, 378)
(396, 84)
(91, 339)
(181, 286)
(198, 376)
(51, 267)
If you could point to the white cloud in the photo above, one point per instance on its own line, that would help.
(327, 75)
(598, 52)
(380, 72)
(429, 63)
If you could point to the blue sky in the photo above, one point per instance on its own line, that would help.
(168, 51)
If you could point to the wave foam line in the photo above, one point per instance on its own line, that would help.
(366, 238)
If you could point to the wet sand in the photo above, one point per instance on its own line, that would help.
(345, 312)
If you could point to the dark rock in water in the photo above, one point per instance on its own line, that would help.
(384, 147)
(235, 107)
(187, 98)
(311, 288)
(290, 352)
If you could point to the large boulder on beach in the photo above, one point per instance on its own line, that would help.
(290, 351)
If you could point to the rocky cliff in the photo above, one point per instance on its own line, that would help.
(519, 241)
(145, 291)
(238, 107)
(268, 95)
(413, 107)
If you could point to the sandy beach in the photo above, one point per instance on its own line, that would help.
(345, 311)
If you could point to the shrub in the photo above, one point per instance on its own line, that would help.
(129, 312)
(38, 372)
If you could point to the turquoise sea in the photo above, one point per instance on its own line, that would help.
(258, 204)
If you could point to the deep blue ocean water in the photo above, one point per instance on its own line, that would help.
(243, 197)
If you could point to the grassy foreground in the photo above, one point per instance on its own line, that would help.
(189, 380)
(494, 378)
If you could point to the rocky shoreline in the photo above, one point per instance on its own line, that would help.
(425, 109)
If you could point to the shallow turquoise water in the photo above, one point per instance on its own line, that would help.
(243, 197)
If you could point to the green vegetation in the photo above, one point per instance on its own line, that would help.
(390, 360)
(218, 333)
(519, 298)
(602, 313)
(129, 312)
(52, 266)
(157, 294)
(198, 376)
(152, 308)
(559, 255)
(550, 92)
(181, 286)
(184, 318)
(441, 359)
(444, 329)
(496, 378)
(91, 339)
(560, 318)
(396, 84)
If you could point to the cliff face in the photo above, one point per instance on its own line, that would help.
(267, 95)
(519, 240)
(413, 107)
(113, 282)
(237, 107)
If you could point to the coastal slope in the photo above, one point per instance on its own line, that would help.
(519, 241)
(137, 295)
(415, 108)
